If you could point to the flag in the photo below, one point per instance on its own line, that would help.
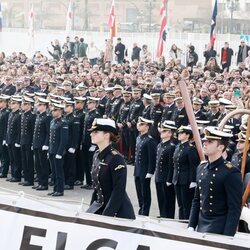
(69, 19)
(213, 23)
(1, 18)
(111, 21)
(31, 22)
(163, 33)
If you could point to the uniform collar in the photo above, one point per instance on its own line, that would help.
(216, 163)
(184, 144)
(166, 142)
(104, 152)
(69, 115)
(144, 135)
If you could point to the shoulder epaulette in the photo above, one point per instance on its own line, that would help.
(114, 152)
(228, 164)
(119, 167)
(150, 136)
(172, 144)
(203, 162)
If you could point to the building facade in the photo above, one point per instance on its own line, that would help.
(131, 16)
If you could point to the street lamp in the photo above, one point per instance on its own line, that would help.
(232, 6)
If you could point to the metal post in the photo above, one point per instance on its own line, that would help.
(231, 16)
(150, 15)
(73, 16)
(86, 17)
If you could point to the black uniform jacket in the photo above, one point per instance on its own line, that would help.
(109, 174)
(58, 139)
(4, 114)
(164, 162)
(216, 206)
(14, 128)
(41, 130)
(145, 156)
(27, 128)
(186, 160)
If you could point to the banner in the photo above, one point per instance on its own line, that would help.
(27, 224)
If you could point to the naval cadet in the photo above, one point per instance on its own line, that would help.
(170, 108)
(117, 102)
(13, 139)
(58, 140)
(180, 115)
(103, 100)
(26, 138)
(4, 115)
(223, 112)
(145, 158)
(109, 173)
(88, 148)
(186, 160)
(237, 156)
(147, 102)
(80, 113)
(216, 206)
(122, 123)
(135, 111)
(67, 85)
(155, 115)
(73, 123)
(198, 113)
(213, 114)
(41, 143)
(164, 170)
(234, 122)
(110, 99)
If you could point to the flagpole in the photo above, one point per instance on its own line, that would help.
(1, 22)
(167, 23)
(31, 30)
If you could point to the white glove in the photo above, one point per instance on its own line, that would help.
(192, 185)
(190, 229)
(59, 157)
(31, 148)
(169, 184)
(71, 150)
(44, 148)
(148, 176)
(4, 143)
(92, 148)
(17, 145)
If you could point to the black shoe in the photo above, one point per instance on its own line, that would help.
(8, 179)
(68, 187)
(21, 183)
(3, 176)
(15, 180)
(51, 193)
(42, 188)
(35, 187)
(28, 184)
(87, 186)
(56, 194)
(78, 183)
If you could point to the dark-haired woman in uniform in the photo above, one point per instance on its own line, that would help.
(109, 174)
